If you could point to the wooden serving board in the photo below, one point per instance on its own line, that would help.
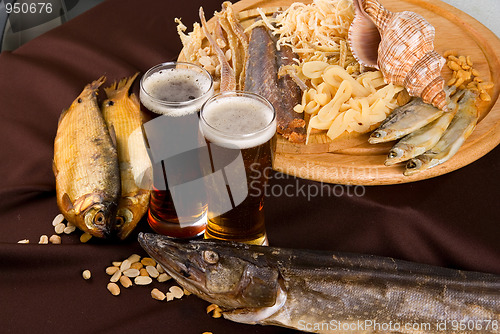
(352, 160)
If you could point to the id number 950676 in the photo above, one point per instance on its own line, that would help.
(28, 8)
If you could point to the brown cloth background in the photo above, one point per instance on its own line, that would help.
(450, 221)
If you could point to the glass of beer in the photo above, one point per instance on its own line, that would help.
(174, 92)
(238, 127)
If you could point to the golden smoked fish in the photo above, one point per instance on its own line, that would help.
(86, 166)
(328, 292)
(123, 117)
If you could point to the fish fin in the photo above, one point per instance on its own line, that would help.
(84, 202)
(54, 168)
(66, 203)
(94, 86)
(135, 101)
(61, 116)
(120, 88)
(112, 134)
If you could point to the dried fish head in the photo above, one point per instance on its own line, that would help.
(401, 45)
(99, 219)
(227, 274)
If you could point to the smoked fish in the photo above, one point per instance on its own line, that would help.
(328, 292)
(86, 166)
(122, 113)
(263, 64)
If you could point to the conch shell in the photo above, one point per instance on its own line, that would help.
(401, 46)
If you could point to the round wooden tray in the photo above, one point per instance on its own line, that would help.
(354, 160)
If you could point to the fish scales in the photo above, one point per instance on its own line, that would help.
(263, 64)
(86, 166)
(123, 116)
(307, 290)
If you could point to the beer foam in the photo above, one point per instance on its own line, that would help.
(238, 122)
(175, 91)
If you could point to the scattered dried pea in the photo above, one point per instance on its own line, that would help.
(147, 261)
(116, 276)
(131, 272)
(114, 289)
(125, 282)
(217, 312)
(136, 265)
(43, 240)
(24, 241)
(143, 280)
(55, 239)
(163, 277)
(59, 228)
(86, 274)
(58, 219)
(85, 237)
(152, 271)
(134, 258)
(143, 272)
(176, 291)
(157, 294)
(125, 265)
(111, 270)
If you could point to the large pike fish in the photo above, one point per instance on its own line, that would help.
(326, 292)
(86, 166)
(122, 113)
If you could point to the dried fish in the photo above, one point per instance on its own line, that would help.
(228, 76)
(122, 114)
(423, 139)
(86, 166)
(300, 288)
(404, 120)
(455, 135)
(262, 78)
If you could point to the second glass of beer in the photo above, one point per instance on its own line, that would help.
(174, 92)
(238, 127)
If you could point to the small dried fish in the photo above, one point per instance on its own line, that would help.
(86, 166)
(122, 114)
(404, 120)
(228, 76)
(455, 135)
(423, 139)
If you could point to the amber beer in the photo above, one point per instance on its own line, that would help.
(175, 92)
(234, 123)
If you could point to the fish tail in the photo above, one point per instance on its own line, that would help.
(120, 87)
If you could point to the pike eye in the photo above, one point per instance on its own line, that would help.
(210, 257)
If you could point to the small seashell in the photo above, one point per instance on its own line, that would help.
(401, 46)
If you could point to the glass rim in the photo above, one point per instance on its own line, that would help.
(173, 65)
(238, 93)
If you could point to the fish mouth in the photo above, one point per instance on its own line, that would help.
(99, 219)
(173, 256)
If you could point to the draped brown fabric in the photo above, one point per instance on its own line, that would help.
(452, 220)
